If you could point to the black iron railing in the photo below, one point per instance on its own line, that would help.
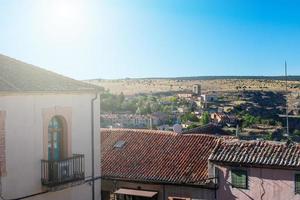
(57, 172)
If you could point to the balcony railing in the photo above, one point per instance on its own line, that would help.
(58, 172)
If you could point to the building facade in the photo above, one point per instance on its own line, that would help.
(46, 126)
(223, 119)
(130, 121)
(256, 170)
(197, 89)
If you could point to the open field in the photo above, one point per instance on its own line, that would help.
(148, 86)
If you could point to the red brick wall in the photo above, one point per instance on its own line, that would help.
(2, 143)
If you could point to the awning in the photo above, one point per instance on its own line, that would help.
(140, 193)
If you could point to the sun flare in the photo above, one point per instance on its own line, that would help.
(65, 18)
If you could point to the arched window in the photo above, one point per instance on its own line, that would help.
(55, 138)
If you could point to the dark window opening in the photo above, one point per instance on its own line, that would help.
(239, 178)
(297, 183)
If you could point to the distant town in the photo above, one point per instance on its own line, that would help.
(249, 114)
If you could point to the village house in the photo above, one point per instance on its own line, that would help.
(256, 170)
(158, 165)
(187, 95)
(205, 100)
(223, 119)
(183, 109)
(197, 89)
(165, 127)
(132, 120)
(124, 121)
(49, 130)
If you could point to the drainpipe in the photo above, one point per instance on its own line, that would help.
(1, 188)
(92, 149)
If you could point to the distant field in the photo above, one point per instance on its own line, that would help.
(148, 86)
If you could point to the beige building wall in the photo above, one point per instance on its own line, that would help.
(263, 183)
(26, 122)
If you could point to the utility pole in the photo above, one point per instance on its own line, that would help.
(150, 123)
(287, 105)
(237, 130)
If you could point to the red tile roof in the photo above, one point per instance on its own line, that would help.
(156, 156)
(257, 153)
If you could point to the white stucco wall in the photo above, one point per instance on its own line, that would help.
(24, 141)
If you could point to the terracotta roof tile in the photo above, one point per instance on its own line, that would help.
(257, 153)
(156, 156)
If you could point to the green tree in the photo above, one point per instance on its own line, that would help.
(192, 126)
(204, 118)
(167, 109)
(268, 136)
(189, 117)
(249, 120)
(121, 97)
(297, 132)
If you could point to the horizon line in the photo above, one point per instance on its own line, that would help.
(207, 77)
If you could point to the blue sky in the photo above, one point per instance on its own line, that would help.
(88, 39)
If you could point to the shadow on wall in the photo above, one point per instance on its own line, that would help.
(277, 179)
(225, 190)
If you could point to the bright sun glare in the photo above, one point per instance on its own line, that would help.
(65, 18)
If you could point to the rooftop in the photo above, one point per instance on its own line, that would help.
(257, 153)
(17, 76)
(156, 156)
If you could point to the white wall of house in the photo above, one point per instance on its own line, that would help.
(24, 142)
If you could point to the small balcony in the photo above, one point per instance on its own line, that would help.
(58, 172)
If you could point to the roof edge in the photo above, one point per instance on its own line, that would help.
(204, 185)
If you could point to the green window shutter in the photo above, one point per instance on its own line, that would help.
(239, 178)
(297, 183)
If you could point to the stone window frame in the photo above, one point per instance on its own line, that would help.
(66, 114)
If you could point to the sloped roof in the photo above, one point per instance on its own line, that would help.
(17, 76)
(156, 156)
(257, 153)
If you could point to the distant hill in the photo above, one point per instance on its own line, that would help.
(133, 86)
(290, 78)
